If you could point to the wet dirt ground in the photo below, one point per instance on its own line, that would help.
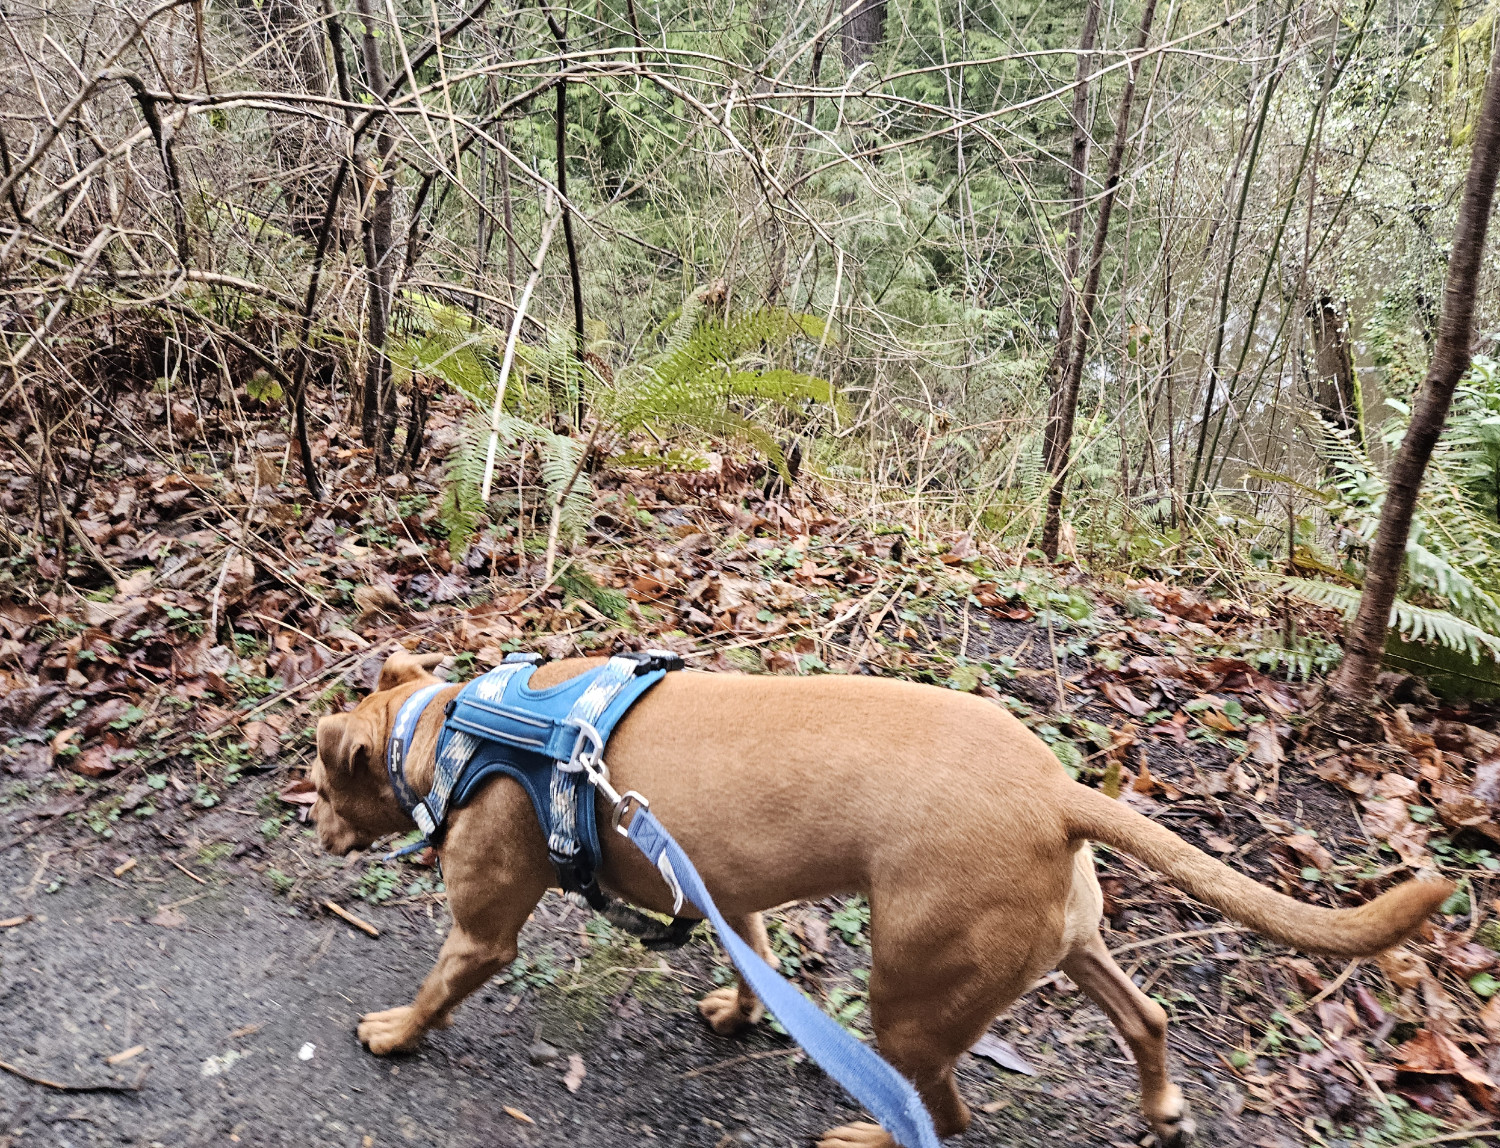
(244, 991)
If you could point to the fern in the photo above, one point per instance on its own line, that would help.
(461, 508)
(694, 384)
(1414, 623)
(575, 584)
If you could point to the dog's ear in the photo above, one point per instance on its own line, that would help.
(346, 744)
(399, 669)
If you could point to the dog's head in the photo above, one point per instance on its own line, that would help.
(355, 805)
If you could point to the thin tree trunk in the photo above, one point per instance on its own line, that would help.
(378, 411)
(1077, 172)
(574, 273)
(1353, 685)
(1067, 406)
(1272, 80)
(1335, 385)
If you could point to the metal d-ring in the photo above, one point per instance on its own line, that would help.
(588, 749)
(623, 806)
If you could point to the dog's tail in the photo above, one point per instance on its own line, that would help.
(1388, 920)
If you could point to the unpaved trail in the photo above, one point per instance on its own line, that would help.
(234, 979)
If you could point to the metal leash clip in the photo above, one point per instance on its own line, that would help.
(588, 758)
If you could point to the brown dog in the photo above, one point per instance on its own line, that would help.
(955, 821)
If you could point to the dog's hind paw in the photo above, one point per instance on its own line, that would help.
(1176, 1132)
(861, 1135)
(724, 1012)
(389, 1031)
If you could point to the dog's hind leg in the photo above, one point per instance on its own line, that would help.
(1143, 1024)
(732, 1009)
(928, 1004)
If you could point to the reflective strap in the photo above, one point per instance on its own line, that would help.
(395, 747)
(616, 674)
(887, 1094)
(563, 793)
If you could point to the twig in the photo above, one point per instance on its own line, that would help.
(188, 871)
(1061, 703)
(1216, 930)
(362, 925)
(61, 1087)
(874, 627)
(562, 497)
(734, 1060)
(553, 215)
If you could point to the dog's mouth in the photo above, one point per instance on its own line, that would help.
(335, 834)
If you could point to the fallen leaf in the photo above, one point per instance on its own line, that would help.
(1308, 978)
(1489, 1017)
(93, 762)
(1469, 959)
(1003, 1053)
(1264, 741)
(1123, 699)
(1310, 851)
(1405, 969)
(168, 918)
(573, 1078)
(1433, 1054)
(299, 792)
(1368, 1006)
(517, 1114)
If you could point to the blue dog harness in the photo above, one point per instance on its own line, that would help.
(552, 742)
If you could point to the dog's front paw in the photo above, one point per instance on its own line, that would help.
(390, 1031)
(725, 1013)
(861, 1135)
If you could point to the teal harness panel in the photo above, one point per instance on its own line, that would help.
(498, 726)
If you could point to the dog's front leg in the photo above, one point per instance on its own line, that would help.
(489, 909)
(462, 966)
(732, 1009)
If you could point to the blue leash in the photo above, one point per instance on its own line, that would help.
(887, 1094)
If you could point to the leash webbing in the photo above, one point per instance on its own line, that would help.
(887, 1094)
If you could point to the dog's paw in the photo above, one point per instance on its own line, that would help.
(390, 1031)
(721, 1008)
(1175, 1131)
(860, 1135)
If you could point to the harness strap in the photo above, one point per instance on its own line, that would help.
(395, 757)
(887, 1094)
(570, 783)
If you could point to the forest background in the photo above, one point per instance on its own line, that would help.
(795, 336)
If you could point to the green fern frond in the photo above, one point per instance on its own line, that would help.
(460, 507)
(1415, 623)
(561, 457)
(575, 584)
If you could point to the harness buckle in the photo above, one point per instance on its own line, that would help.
(622, 807)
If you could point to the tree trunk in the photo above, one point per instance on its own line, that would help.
(1352, 687)
(378, 409)
(1335, 385)
(862, 32)
(1067, 399)
(1077, 171)
(575, 275)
